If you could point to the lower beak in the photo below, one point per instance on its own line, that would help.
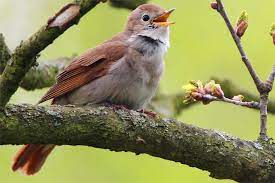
(162, 19)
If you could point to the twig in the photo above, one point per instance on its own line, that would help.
(209, 98)
(230, 90)
(237, 40)
(263, 87)
(264, 102)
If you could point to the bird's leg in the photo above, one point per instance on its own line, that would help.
(116, 106)
(149, 113)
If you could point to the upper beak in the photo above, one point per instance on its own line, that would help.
(162, 19)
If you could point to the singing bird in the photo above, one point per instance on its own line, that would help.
(124, 70)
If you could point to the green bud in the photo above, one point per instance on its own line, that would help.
(242, 17)
(272, 30)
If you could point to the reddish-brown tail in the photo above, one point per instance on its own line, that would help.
(30, 158)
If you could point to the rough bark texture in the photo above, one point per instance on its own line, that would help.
(25, 54)
(38, 77)
(224, 156)
(4, 53)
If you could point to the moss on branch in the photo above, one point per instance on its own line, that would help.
(4, 53)
(25, 54)
(224, 156)
(38, 77)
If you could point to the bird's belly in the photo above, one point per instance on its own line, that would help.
(123, 86)
(136, 84)
(134, 93)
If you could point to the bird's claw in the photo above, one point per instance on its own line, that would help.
(117, 107)
(149, 113)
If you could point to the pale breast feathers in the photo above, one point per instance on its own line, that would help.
(91, 65)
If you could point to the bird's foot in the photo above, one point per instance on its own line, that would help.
(149, 113)
(117, 107)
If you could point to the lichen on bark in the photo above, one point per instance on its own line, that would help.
(224, 156)
(24, 55)
(4, 53)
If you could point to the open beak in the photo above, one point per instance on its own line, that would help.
(162, 19)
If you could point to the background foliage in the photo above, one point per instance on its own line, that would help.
(201, 47)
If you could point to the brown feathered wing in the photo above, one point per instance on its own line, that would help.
(91, 65)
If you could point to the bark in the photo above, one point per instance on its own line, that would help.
(4, 53)
(24, 56)
(224, 156)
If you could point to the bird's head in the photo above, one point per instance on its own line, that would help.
(151, 21)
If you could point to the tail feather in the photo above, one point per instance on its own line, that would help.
(31, 157)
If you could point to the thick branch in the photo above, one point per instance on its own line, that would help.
(226, 157)
(25, 54)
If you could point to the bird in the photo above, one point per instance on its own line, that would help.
(124, 70)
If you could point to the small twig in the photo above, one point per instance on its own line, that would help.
(207, 98)
(263, 87)
(237, 40)
(264, 102)
(270, 80)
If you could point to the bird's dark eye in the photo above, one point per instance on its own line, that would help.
(145, 18)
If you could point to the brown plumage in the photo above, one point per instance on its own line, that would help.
(124, 70)
(89, 66)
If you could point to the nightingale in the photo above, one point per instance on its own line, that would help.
(124, 70)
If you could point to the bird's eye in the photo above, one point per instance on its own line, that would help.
(145, 18)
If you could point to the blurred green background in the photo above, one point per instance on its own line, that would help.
(201, 47)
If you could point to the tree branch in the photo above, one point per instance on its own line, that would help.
(263, 88)
(238, 43)
(4, 53)
(224, 156)
(207, 98)
(38, 77)
(25, 54)
(44, 75)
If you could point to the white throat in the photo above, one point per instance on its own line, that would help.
(161, 33)
(151, 42)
